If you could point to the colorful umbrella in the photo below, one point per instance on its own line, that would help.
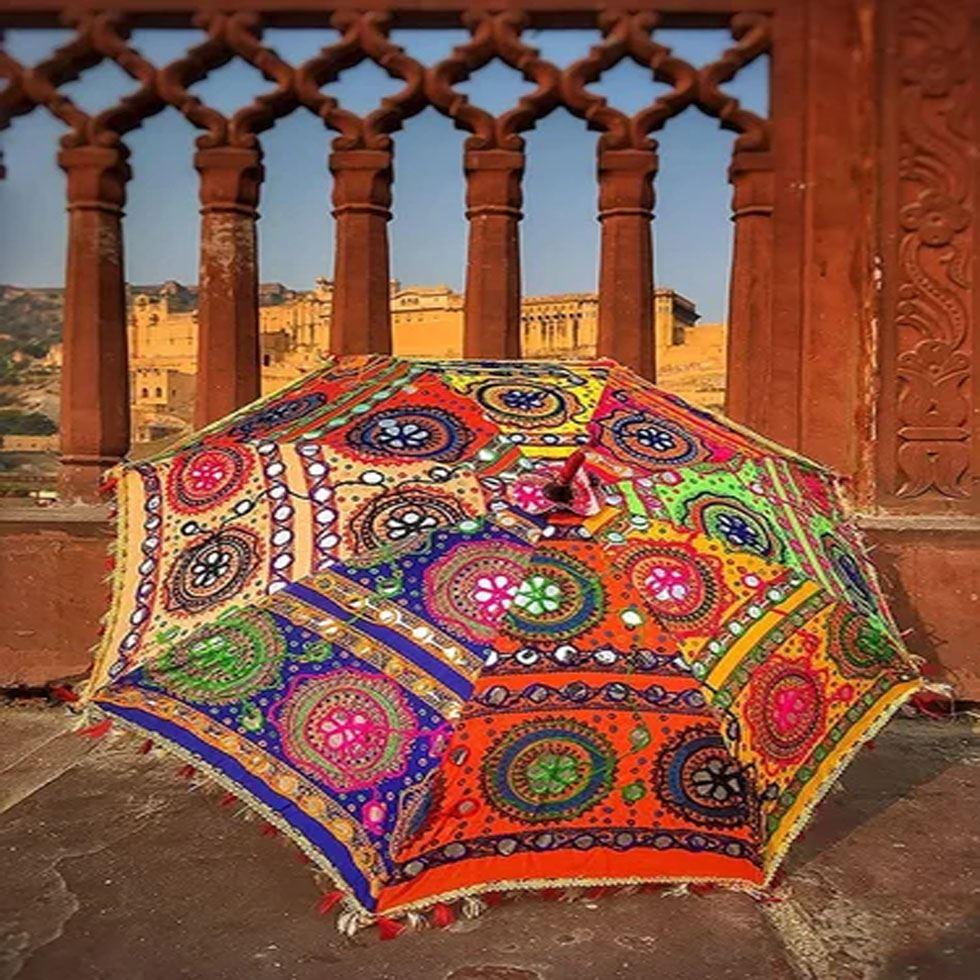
(469, 627)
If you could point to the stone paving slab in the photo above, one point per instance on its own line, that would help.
(116, 869)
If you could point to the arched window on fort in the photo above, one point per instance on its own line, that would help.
(159, 393)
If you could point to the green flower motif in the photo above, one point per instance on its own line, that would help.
(875, 646)
(538, 595)
(250, 717)
(552, 774)
(318, 653)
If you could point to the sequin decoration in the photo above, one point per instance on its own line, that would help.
(684, 589)
(348, 729)
(467, 626)
(698, 779)
(649, 440)
(785, 709)
(524, 404)
(206, 476)
(549, 769)
(399, 520)
(559, 598)
(417, 432)
(223, 662)
(209, 572)
(471, 587)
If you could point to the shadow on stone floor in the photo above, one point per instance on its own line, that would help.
(876, 780)
(112, 869)
(937, 960)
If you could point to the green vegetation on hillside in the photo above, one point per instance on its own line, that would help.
(14, 422)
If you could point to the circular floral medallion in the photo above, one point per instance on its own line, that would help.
(471, 587)
(649, 440)
(525, 404)
(348, 729)
(419, 432)
(208, 475)
(848, 573)
(264, 421)
(222, 662)
(728, 519)
(683, 589)
(401, 519)
(857, 646)
(785, 710)
(548, 769)
(559, 598)
(698, 779)
(211, 571)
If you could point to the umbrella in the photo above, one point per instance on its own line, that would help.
(459, 628)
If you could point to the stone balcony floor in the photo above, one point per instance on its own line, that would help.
(112, 868)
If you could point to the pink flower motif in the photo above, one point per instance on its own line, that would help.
(668, 583)
(373, 816)
(341, 728)
(207, 472)
(790, 707)
(528, 494)
(494, 594)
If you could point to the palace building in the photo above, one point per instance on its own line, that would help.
(427, 321)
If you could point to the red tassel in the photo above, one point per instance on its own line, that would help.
(269, 830)
(229, 799)
(769, 898)
(700, 887)
(390, 928)
(932, 705)
(493, 898)
(146, 746)
(442, 915)
(97, 730)
(61, 692)
(870, 746)
(186, 772)
(551, 894)
(302, 858)
(329, 900)
(597, 891)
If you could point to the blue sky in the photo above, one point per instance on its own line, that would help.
(559, 232)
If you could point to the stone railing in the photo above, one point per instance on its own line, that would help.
(229, 161)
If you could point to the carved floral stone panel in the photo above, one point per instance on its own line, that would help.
(936, 206)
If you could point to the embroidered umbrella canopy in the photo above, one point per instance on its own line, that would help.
(463, 627)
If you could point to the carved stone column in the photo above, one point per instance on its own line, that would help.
(228, 315)
(626, 259)
(750, 291)
(493, 266)
(95, 372)
(361, 317)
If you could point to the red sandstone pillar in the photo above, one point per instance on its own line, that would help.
(228, 304)
(95, 372)
(626, 259)
(750, 295)
(361, 317)
(492, 322)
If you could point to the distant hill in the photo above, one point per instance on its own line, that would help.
(34, 313)
(31, 314)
